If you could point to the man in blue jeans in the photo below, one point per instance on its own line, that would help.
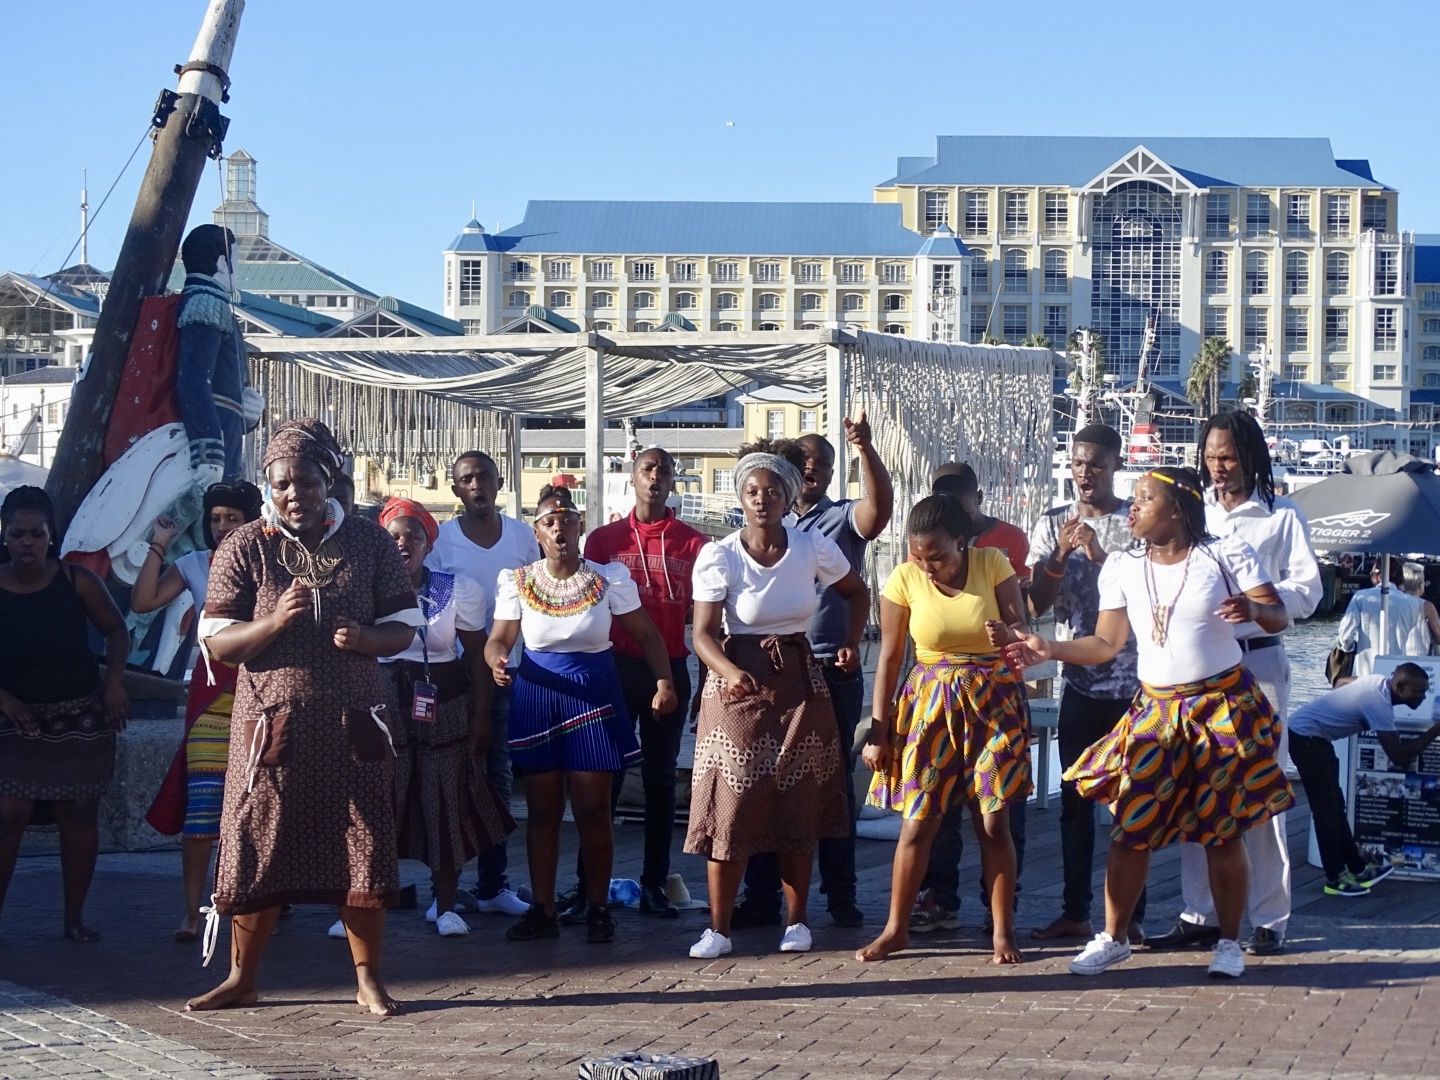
(852, 524)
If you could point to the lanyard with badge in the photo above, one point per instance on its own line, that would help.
(426, 695)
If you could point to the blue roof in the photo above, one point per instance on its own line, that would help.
(715, 228)
(283, 318)
(82, 303)
(1427, 258)
(424, 318)
(1076, 160)
(942, 244)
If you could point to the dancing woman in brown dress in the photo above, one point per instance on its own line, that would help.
(304, 601)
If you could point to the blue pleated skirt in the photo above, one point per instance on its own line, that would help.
(568, 712)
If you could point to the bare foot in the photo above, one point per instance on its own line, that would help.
(884, 946)
(78, 931)
(1006, 951)
(373, 996)
(189, 929)
(1065, 928)
(228, 995)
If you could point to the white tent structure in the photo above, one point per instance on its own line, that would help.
(928, 401)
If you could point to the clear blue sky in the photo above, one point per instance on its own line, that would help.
(376, 124)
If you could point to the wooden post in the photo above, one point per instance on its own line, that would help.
(514, 466)
(836, 402)
(594, 435)
(189, 129)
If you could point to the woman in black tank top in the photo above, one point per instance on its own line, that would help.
(57, 722)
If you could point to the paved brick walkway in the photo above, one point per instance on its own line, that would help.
(1356, 995)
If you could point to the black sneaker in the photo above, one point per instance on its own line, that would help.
(1185, 935)
(574, 910)
(844, 914)
(599, 926)
(1373, 874)
(1265, 942)
(534, 924)
(653, 901)
(747, 916)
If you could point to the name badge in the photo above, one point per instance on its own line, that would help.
(423, 705)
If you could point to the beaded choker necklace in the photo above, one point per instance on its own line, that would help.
(556, 597)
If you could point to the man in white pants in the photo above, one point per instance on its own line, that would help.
(1240, 498)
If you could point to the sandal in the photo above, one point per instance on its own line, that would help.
(80, 932)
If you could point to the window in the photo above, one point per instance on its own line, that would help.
(1217, 322)
(1057, 324)
(1217, 217)
(977, 213)
(1430, 380)
(518, 298)
(812, 301)
(1017, 271)
(727, 271)
(642, 271)
(1382, 373)
(980, 273)
(1372, 213)
(1297, 216)
(519, 270)
(1430, 354)
(942, 277)
(1337, 274)
(1057, 214)
(1257, 274)
(812, 273)
(682, 271)
(1337, 372)
(602, 270)
(979, 322)
(1057, 271)
(774, 423)
(727, 301)
(1337, 217)
(602, 299)
(729, 326)
(1386, 329)
(768, 301)
(472, 326)
(1297, 273)
(52, 413)
(768, 326)
(809, 420)
(895, 328)
(1430, 326)
(542, 462)
(722, 481)
(1387, 272)
(1257, 329)
(1017, 213)
(1297, 372)
(644, 327)
(852, 274)
(1217, 273)
(853, 302)
(896, 302)
(570, 462)
(471, 282)
(561, 298)
(1297, 330)
(1017, 323)
(1337, 329)
(686, 301)
(559, 270)
(1430, 300)
(937, 209)
(603, 324)
(642, 300)
(767, 271)
(895, 274)
(1257, 216)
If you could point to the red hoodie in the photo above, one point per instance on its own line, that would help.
(660, 556)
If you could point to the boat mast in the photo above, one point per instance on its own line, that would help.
(84, 217)
(1264, 386)
(189, 129)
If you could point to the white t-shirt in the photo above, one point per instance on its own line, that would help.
(195, 570)
(587, 632)
(1198, 642)
(450, 602)
(455, 553)
(775, 599)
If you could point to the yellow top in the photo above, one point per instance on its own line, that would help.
(944, 625)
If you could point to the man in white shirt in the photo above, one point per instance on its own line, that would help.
(481, 544)
(1240, 499)
(1406, 631)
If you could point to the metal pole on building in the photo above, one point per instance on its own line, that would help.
(594, 434)
(189, 129)
(514, 466)
(836, 402)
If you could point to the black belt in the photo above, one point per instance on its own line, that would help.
(1250, 644)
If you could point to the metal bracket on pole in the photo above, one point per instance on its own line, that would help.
(594, 436)
(203, 121)
(836, 402)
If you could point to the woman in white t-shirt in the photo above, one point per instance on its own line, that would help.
(569, 727)
(769, 773)
(1194, 758)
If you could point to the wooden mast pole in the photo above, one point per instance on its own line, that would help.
(188, 130)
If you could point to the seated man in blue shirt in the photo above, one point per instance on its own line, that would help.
(1363, 704)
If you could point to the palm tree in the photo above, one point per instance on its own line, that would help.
(1039, 341)
(1207, 372)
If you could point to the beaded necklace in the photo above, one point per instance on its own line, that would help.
(558, 597)
(1160, 613)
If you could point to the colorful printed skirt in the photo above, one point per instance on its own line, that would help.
(962, 733)
(568, 712)
(73, 757)
(1195, 762)
(769, 775)
(207, 752)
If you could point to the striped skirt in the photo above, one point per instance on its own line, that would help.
(1195, 762)
(568, 713)
(207, 753)
(962, 733)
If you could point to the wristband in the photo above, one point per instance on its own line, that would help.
(1045, 566)
(157, 550)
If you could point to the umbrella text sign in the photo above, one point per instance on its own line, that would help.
(1379, 504)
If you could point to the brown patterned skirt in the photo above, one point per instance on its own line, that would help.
(446, 811)
(73, 757)
(768, 768)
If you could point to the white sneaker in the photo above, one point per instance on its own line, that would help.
(710, 945)
(796, 939)
(1100, 954)
(451, 925)
(1229, 962)
(433, 911)
(337, 929)
(503, 902)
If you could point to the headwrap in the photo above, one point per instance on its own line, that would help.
(396, 507)
(788, 475)
(241, 495)
(307, 438)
